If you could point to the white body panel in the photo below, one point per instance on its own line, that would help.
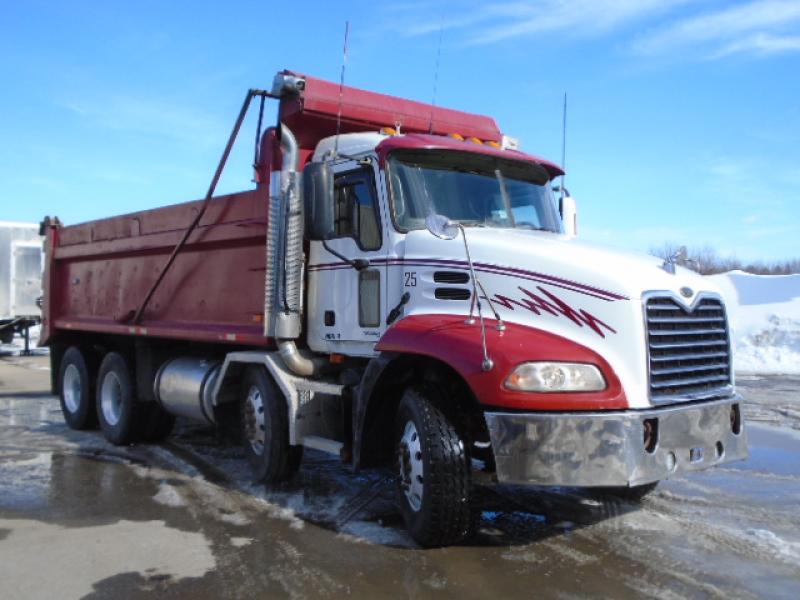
(518, 269)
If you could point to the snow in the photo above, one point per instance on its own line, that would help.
(765, 315)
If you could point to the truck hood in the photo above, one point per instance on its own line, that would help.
(584, 292)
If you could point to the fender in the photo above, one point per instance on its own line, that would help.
(449, 339)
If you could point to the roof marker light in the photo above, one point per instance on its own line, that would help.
(492, 143)
(457, 136)
(388, 131)
(475, 140)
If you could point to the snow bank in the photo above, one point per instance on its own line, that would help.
(765, 313)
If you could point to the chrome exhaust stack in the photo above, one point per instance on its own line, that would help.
(283, 298)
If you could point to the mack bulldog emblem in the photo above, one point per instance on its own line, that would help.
(547, 302)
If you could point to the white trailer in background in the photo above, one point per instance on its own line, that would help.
(21, 261)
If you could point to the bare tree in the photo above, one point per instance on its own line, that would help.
(706, 261)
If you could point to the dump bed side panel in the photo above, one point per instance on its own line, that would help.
(99, 272)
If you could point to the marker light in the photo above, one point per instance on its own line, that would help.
(457, 136)
(475, 140)
(388, 131)
(556, 377)
(492, 143)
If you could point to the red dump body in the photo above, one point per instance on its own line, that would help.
(98, 273)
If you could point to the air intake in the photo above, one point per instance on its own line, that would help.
(451, 294)
(452, 277)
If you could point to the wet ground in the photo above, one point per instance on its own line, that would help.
(79, 517)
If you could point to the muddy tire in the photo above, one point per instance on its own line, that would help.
(157, 423)
(118, 412)
(635, 493)
(75, 391)
(434, 487)
(265, 429)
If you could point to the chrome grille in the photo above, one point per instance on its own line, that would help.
(689, 351)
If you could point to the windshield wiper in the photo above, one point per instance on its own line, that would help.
(531, 227)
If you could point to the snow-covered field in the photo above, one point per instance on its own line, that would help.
(765, 312)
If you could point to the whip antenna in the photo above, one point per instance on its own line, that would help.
(564, 143)
(341, 91)
(436, 75)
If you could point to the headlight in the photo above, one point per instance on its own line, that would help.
(556, 377)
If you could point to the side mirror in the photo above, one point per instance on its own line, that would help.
(441, 227)
(569, 215)
(318, 198)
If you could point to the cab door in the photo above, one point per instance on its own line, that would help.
(347, 305)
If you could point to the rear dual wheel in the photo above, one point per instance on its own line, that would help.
(122, 418)
(117, 409)
(75, 390)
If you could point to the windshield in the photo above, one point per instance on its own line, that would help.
(475, 190)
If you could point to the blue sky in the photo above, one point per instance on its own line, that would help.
(683, 123)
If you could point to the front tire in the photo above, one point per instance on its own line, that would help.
(75, 391)
(434, 486)
(117, 409)
(265, 429)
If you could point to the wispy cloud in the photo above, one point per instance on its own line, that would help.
(486, 23)
(149, 116)
(706, 29)
(760, 27)
(580, 17)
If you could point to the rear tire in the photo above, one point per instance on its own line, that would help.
(75, 391)
(119, 413)
(265, 429)
(434, 488)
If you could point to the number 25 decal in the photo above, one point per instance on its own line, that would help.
(411, 278)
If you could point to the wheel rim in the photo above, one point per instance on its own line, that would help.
(71, 387)
(254, 428)
(111, 398)
(411, 466)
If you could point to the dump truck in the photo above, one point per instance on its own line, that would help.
(21, 263)
(402, 288)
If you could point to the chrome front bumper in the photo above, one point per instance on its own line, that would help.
(608, 448)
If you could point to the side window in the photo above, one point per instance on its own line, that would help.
(355, 213)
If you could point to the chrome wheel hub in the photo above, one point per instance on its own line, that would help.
(111, 398)
(254, 428)
(411, 466)
(71, 387)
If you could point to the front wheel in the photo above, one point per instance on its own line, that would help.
(434, 485)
